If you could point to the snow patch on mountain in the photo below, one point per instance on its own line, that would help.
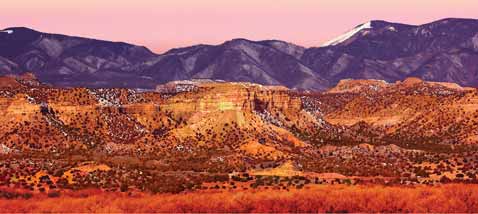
(348, 35)
(190, 63)
(391, 28)
(7, 31)
(474, 40)
(251, 51)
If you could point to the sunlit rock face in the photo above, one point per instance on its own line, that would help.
(126, 121)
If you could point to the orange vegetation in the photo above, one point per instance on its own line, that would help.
(446, 198)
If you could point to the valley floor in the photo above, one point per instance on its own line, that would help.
(323, 198)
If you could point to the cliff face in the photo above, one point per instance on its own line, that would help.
(125, 121)
(236, 96)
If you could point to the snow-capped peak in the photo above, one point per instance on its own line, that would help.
(347, 35)
(7, 31)
(391, 28)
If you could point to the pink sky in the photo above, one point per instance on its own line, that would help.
(161, 25)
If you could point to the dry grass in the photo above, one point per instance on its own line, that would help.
(447, 198)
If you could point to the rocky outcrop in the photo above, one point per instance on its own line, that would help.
(356, 86)
(370, 86)
(218, 96)
(123, 120)
(412, 110)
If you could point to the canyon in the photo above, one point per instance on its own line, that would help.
(196, 135)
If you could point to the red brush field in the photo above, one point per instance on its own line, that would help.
(339, 198)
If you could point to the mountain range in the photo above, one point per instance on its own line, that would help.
(444, 50)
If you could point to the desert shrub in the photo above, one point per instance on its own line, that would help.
(445, 198)
(53, 194)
